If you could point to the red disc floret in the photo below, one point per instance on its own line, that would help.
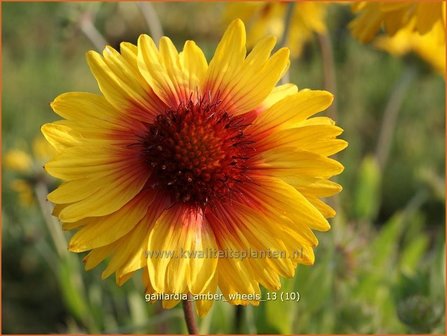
(198, 153)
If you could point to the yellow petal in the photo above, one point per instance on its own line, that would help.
(290, 162)
(96, 256)
(203, 306)
(59, 136)
(366, 25)
(242, 87)
(278, 93)
(282, 199)
(292, 110)
(313, 138)
(254, 83)
(183, 232)
(315, 186)
(119, 87)
(194, 65)
(86, 109)
(174, 77)
(105, 230)
(169, 304)
(94, 159)
(121, 279)
(129, 248)
(325, 209)
(235, 279)
(116, 192)
(241, 229)
(73, 191)
(426, 14)
(156, 208)
(130, 53)
(170, 60)
(228, 57)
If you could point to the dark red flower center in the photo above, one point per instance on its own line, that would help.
(198, 153)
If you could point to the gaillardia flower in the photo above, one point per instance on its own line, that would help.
(28, 168)
(182, 167)
(430, 47)
(392, 16)
(410, 26)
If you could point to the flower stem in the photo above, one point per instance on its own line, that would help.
(189, 317)
(152, 20)
(327, 56)
(91, 32)
(285, 34)
(238, 316)
(51, 222)
(390, 116)
(287, 20)
(330, 84)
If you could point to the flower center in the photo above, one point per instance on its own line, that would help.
(198, 153)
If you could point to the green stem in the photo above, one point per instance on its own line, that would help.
(238, 316)
(285, 34)
(329, 79)
(390, 116)
(52, 223)
(91, 32)
(189, 317)
(329, 84)
(152, 20)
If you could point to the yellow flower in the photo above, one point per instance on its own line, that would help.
(29, 167)
(192, 171)
(24, 190)
(21, 161)
(267, 18)
(18, 160)
(430, 47)
(392, 16)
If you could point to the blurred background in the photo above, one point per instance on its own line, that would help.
(381, 269)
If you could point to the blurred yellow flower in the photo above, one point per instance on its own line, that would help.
(267, 18)
(29, 168)
(430, 47)
(392, 16)
(18, 160)
(24, 190)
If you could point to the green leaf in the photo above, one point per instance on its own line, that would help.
(366, 196)
(413, 253)
(72, 296)
(280, 312)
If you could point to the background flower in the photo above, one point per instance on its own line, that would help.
(267, 18)
(28, 168)
(430, 47)
(409, 27)
(392, 16)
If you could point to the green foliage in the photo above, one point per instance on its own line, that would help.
(366, 198)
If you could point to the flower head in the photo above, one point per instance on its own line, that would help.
(182, 167)
(28, 167)
(18, 160)
(430, 47)
(393, 16)
(267, 18)
(410, 27)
